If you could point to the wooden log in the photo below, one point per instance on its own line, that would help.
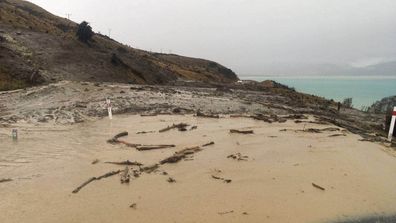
(95, 178)
(121, 134)
(180, 126)
(152, 147)
(115, 140)
(173, 159)
(180, 155)
(84, 184)
(144, 132)
(5, 180)
(336, 135)
(208, 144)
(149, 169)
(318, 187)
(221, 178)
(241, 131)
(126, 163)
(189, 150)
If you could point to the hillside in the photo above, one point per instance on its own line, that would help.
(38, 47)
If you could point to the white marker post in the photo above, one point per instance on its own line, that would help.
(392, 124)
(108, 104)
(15, 134)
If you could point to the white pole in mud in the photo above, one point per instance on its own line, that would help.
(392, 124)
(108, 103)
(15, 134)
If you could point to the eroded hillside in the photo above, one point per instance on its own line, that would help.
(38, 47)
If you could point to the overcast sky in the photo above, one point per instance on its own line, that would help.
(252, 37)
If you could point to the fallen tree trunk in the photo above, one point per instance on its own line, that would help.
(115, 140)
(119, 135)
(180, 126)
(152, 147)
(149, 169)
(221, 178)
(126, 163)
(180, 155)
(317, 186)
(5, 180)
(241, 131)
(109, 174)
(208, 144)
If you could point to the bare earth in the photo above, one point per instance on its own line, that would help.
(273, 181)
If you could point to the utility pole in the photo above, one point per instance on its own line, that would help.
(68, 15)
(109, 32)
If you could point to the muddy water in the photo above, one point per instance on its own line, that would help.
(273, 185)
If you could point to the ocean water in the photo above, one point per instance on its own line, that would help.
(364, 91)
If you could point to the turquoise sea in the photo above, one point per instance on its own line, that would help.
(364, 91)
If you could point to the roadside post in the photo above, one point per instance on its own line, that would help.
(108, 104)
(392, 124)
(14, 134)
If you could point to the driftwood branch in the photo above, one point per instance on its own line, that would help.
(126, 163)
(317, 186)
(109, 174)
(152, 147)
(119, 135)
(221, 178)
(208, 144)
(180, 155)
(5, 180)
(149, 169)
(180, 126)
(241, 131)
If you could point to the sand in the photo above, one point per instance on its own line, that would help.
(273, 184)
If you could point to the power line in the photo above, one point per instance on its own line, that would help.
(68, 15)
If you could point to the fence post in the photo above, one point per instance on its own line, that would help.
(108, 103)
(392, 124)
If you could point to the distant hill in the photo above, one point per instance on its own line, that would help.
(39, 47)
(387, 69)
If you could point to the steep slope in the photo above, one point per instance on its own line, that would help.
(38, 47)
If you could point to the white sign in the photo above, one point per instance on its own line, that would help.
(392, 124)
(108, 104)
